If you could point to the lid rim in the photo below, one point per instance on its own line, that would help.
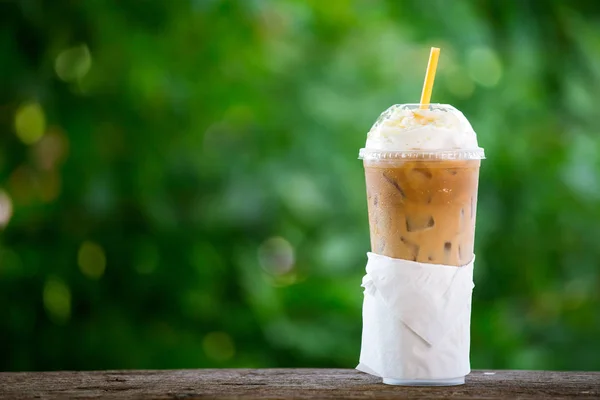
(450, 154)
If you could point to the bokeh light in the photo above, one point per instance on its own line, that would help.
(30, 122)
(484, 66)
(51, 150)
(276, 256)
(459, 83)
(29, 186)
(49, 186)
(91, 260)
(23, 184)
(73, 64)
(57, 300)
(6, 208)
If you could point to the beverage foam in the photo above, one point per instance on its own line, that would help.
(405, 127)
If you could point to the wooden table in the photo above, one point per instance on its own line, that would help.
(286, 384)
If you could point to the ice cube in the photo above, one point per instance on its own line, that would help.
(416, 223)
(447, 248)
(393, 182)
(413, 248)
(423, 172)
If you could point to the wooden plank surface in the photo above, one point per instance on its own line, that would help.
(286, 383)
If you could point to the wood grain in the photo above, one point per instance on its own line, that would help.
(286, 384)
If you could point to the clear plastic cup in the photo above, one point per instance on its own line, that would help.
(422, 204)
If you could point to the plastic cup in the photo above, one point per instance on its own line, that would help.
(422, 205)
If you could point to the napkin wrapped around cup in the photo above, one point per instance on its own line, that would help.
(416, 319)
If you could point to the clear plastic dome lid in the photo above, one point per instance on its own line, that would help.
(439, 131)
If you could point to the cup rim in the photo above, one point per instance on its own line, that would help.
(450, 154)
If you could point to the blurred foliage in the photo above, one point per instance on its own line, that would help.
(180, 183)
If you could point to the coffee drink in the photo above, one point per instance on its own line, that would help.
(423, 210)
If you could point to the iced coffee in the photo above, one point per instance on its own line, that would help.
(422, 169)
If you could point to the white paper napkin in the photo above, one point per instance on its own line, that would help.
(416, 319)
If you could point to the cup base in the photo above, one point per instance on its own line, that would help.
(425, 382)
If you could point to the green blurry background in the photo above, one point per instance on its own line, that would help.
(180, 185)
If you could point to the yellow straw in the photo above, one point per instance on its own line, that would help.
(429, 77)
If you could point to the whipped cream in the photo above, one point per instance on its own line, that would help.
(405, 127)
